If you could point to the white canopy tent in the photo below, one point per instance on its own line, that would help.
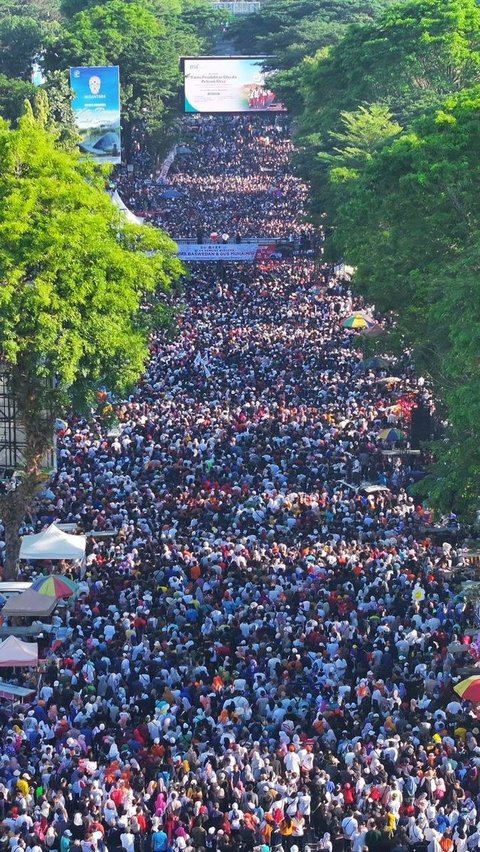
(134, 220)
(14, 652)
(53, 543)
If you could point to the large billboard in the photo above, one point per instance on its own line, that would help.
(223, 84)
(246, 252)
(96, 107)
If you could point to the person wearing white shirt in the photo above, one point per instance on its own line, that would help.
(454, 707)
(109, 632)
(391, 752)
(306, 759)
(460, 840)
(127, 840)
(292, 762)
(349, 826)
(46, 693)
(304, 803)
(357, 840)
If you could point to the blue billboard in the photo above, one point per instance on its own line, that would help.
(96, 107)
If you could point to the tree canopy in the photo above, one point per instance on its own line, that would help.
(409, 221)
(110, 33)
(21, 39)
(13, 94)
(40, 10)
(388, 122)
(408, 59)
(411, 57)
(79, 288)
(74, 273)
(144, 37)
(289, 30)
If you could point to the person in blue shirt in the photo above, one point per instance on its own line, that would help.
(159, 841)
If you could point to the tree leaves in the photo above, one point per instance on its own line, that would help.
(289, 30)
(403, 206)
(146, 40)
(74, 273)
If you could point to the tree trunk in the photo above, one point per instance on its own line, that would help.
(37, 421)
(13, 508)
(12, 514)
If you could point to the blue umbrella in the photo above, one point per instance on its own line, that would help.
(172, 193)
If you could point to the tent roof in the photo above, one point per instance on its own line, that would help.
(118, 201)
(30, 603)
(53, 543)
(14, 652)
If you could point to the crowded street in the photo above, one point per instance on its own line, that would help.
(235, 178)
(264, 645)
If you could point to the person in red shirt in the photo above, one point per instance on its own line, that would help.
(117, 795)
(139, 624)
(349, 796)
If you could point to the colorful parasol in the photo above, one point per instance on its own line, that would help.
(358, 320)
(469, 689)
(55, 586)
(391, 434)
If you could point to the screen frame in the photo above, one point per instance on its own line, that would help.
(230, 57)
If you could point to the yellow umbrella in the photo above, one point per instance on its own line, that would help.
(469, 689)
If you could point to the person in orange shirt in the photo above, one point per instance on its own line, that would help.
(266, 831)
(286, 829)
(446, 842)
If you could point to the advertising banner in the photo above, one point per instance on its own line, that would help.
(266, 252)
(228, 84)
(217, 251)
(96, 106)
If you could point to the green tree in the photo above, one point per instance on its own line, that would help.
(43, 10)
(70, 8)
(364, 132)
(203, 22)
(408, 59)
(60, 117)
(53, 99)
(13, 94)
(289, 30)
(409, 222)
(21, 39)
(77, 285)
(110, 34)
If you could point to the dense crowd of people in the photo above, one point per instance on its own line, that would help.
(234, 176)
(261, 656)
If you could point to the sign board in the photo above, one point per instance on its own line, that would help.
(228, 84)
(96, 107)
(217, 251)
